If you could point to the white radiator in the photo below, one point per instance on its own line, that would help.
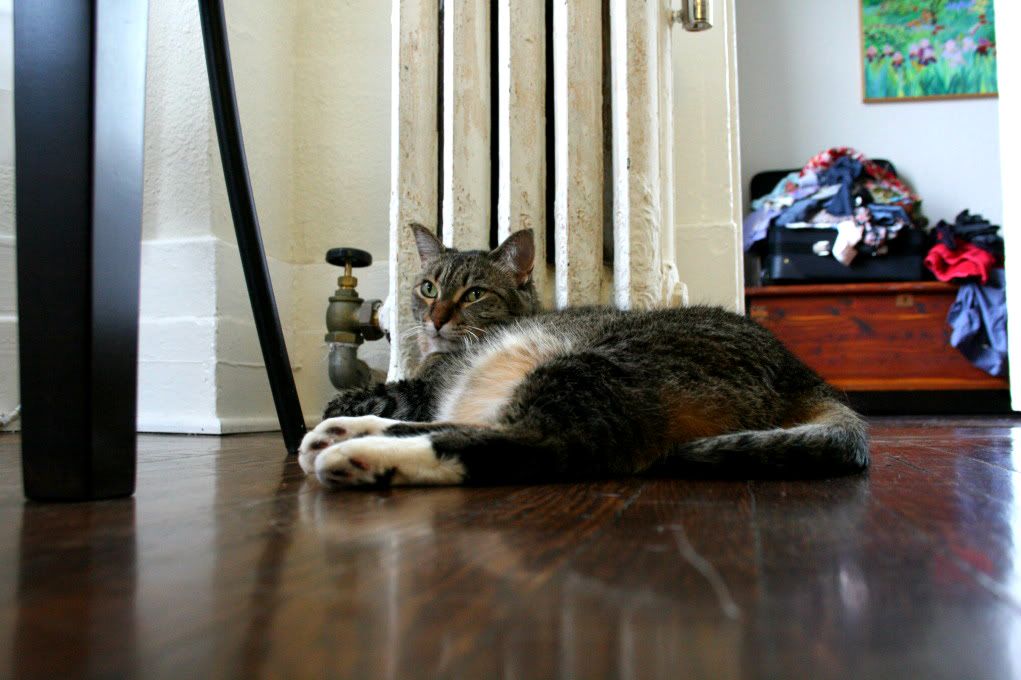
(470, 101)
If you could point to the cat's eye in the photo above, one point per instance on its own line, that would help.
(474, 294)
(428, 289)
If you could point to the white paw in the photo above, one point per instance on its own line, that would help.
(335, 430)
(385, 461)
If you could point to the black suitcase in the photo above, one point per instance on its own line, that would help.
(791, 257)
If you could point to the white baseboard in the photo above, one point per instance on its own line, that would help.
(9, 388)
(176, 424)
(216, 426)
(8, 283)
(200, 367)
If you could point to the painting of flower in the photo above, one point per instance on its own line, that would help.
(925, 49)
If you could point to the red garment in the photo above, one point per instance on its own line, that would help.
(964, 261)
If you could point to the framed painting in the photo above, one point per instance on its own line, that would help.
(928, 49)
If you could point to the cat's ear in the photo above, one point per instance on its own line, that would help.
(517, 255)
(429, 247)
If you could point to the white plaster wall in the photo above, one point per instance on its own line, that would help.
(8, 293)
(312, 82)
(707, 162)
(177, 350)
(1009, 54)
(801, 93)
(342, 167)
(200, 365)
(262, 42)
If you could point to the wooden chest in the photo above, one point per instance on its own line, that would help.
(871, 337)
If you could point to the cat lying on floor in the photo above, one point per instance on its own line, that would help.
(509, 395)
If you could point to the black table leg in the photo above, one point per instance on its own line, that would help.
(246, 224)
(79, 80)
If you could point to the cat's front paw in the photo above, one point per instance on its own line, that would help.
(382, 461)
(335, 430)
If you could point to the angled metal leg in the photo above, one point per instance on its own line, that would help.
(79, 80)
(246, 224)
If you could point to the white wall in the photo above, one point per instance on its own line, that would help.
(707, 161)
(312, 80)
(800, 78)
(342, 165)
(177, 349)
(8, 293)
(1009, 54)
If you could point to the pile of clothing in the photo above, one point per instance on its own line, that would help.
(838, 189)
(970, 247)
(970, 252)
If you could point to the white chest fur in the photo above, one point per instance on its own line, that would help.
(484, 384)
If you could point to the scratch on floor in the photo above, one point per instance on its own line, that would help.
(754, 523)
(628, 502)
(908, 463)
(708, 571)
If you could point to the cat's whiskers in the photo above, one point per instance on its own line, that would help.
(412, 331)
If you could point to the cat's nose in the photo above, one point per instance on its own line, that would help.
(442, 311)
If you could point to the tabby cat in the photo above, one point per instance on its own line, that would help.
(508, 395)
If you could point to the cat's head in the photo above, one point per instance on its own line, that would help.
(462, 295)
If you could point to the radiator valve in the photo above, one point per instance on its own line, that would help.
(695, 15)
(350, 321)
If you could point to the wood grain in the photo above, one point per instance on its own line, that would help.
(871, 336)
(229, 563)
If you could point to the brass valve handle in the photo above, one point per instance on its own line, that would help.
(349, 318)
(348, 258)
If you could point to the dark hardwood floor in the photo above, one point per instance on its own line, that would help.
(229, 563)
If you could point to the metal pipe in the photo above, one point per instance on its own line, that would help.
(695, 15)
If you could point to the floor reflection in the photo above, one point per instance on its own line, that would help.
(270, 571)
(429, 585)
(235, 564)
(378, 552)
(77, 582)
(1013, 634)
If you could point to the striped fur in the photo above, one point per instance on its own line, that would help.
(582, 393)
(835, 441)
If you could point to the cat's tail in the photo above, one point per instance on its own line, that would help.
(833, 440)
